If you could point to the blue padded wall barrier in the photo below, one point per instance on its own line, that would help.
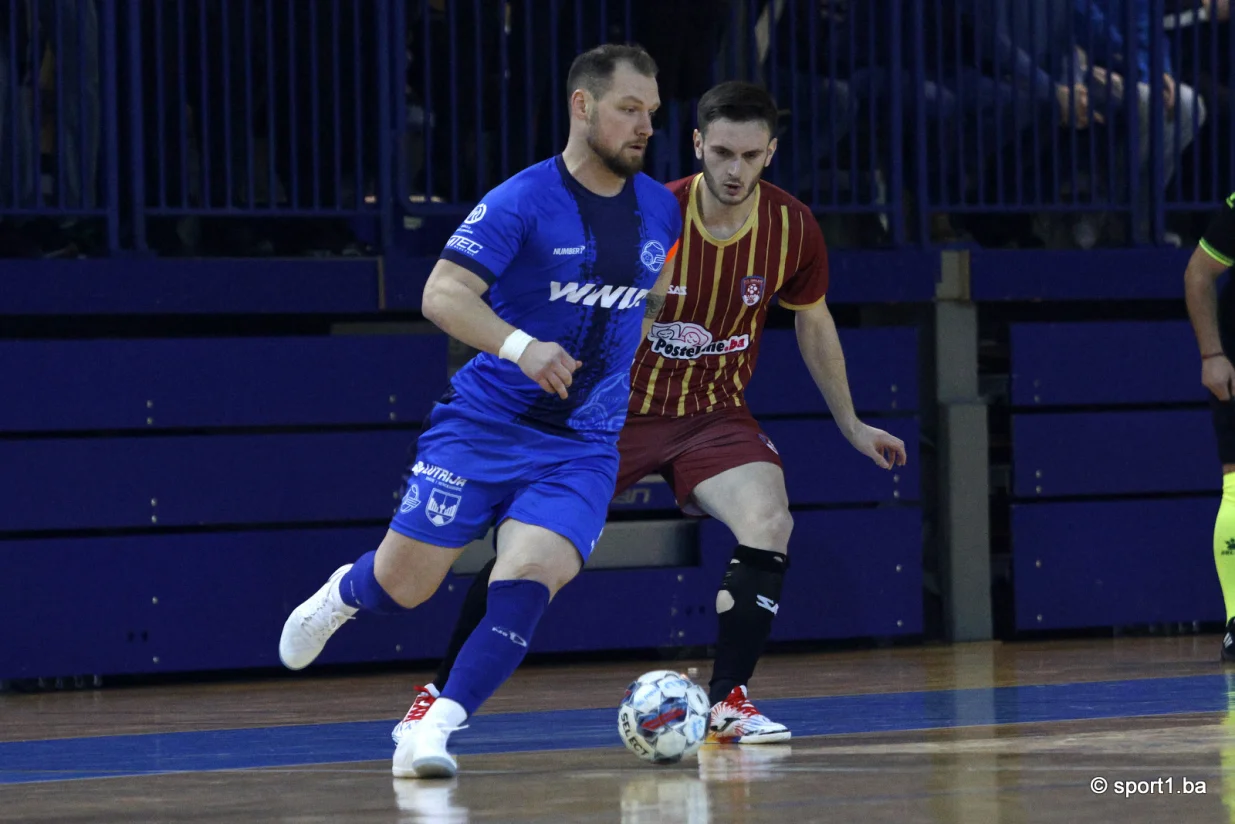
(169, 603)
(821, 467)
(216, 382)
(1112, 563)
(134, 285)
(1110, 453)
(87, 483)
(1143, 273)
(1058, 364)
(173, 603)
(882, 366)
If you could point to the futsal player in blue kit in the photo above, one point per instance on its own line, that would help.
(569, 251)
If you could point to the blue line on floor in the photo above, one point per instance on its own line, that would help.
(149, 754)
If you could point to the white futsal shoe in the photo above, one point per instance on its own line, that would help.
(422, 750)
(736, 721)
(312, 623)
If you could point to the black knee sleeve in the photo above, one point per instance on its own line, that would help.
(748, 600)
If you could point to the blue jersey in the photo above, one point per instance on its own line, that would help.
(570, 266)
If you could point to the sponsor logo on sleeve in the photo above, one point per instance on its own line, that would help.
(465, 245)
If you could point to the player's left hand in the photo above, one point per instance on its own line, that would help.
(884, 449)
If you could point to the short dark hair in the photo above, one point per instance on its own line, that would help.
(737, 101)
(593, 70)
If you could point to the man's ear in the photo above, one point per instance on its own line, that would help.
(767, 160)
(581, 104)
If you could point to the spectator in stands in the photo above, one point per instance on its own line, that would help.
(1099, 25)
(850, 86)
(1203, 30)
(814, 62)
(1001, 90)
(1041, 100)
(61, 56)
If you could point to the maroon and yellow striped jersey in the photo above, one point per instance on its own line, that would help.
(702, 349)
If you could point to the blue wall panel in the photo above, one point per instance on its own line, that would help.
(156, 384)
(217, 479)
(1056, 364)
(222, 599)
(1144, 273)
(821, 466)
(882, 366)
(169, 603)
(135, 285)
(1114, 563)
(892, 276)
(1110, 453)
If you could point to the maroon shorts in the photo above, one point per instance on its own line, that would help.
(689, 450)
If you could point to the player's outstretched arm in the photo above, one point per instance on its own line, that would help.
(820, 347)
(1201, 295)
(452, 301)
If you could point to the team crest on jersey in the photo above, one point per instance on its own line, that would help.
(411, 500)
(442, 507)
(653, 256)
(477, 214)
(752, 289)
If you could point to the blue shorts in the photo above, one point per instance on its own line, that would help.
(471, 472)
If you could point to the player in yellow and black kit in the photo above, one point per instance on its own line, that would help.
(1213, 319)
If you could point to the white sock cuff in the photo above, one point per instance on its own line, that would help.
(449, 713)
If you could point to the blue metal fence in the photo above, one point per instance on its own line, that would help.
(128, 111)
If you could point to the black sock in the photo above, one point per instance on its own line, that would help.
(475, 604)
(753, 581)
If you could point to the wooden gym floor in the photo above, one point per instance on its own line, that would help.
(981, 733)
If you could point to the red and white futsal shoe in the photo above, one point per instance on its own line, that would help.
(425, 696)
(736, 721)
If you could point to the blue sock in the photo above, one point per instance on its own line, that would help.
(498, 644)
(359, 588)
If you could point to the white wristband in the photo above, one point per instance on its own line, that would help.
(515, 343)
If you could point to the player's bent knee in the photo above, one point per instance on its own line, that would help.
(767, 528)
(554, 574)
(410, 571)
(533, 553)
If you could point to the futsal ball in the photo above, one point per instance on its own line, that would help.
(663, 717)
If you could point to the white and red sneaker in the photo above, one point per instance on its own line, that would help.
(425, 696)
(736, 721)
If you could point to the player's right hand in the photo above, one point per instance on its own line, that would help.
(549, 365)
(1219, 377)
